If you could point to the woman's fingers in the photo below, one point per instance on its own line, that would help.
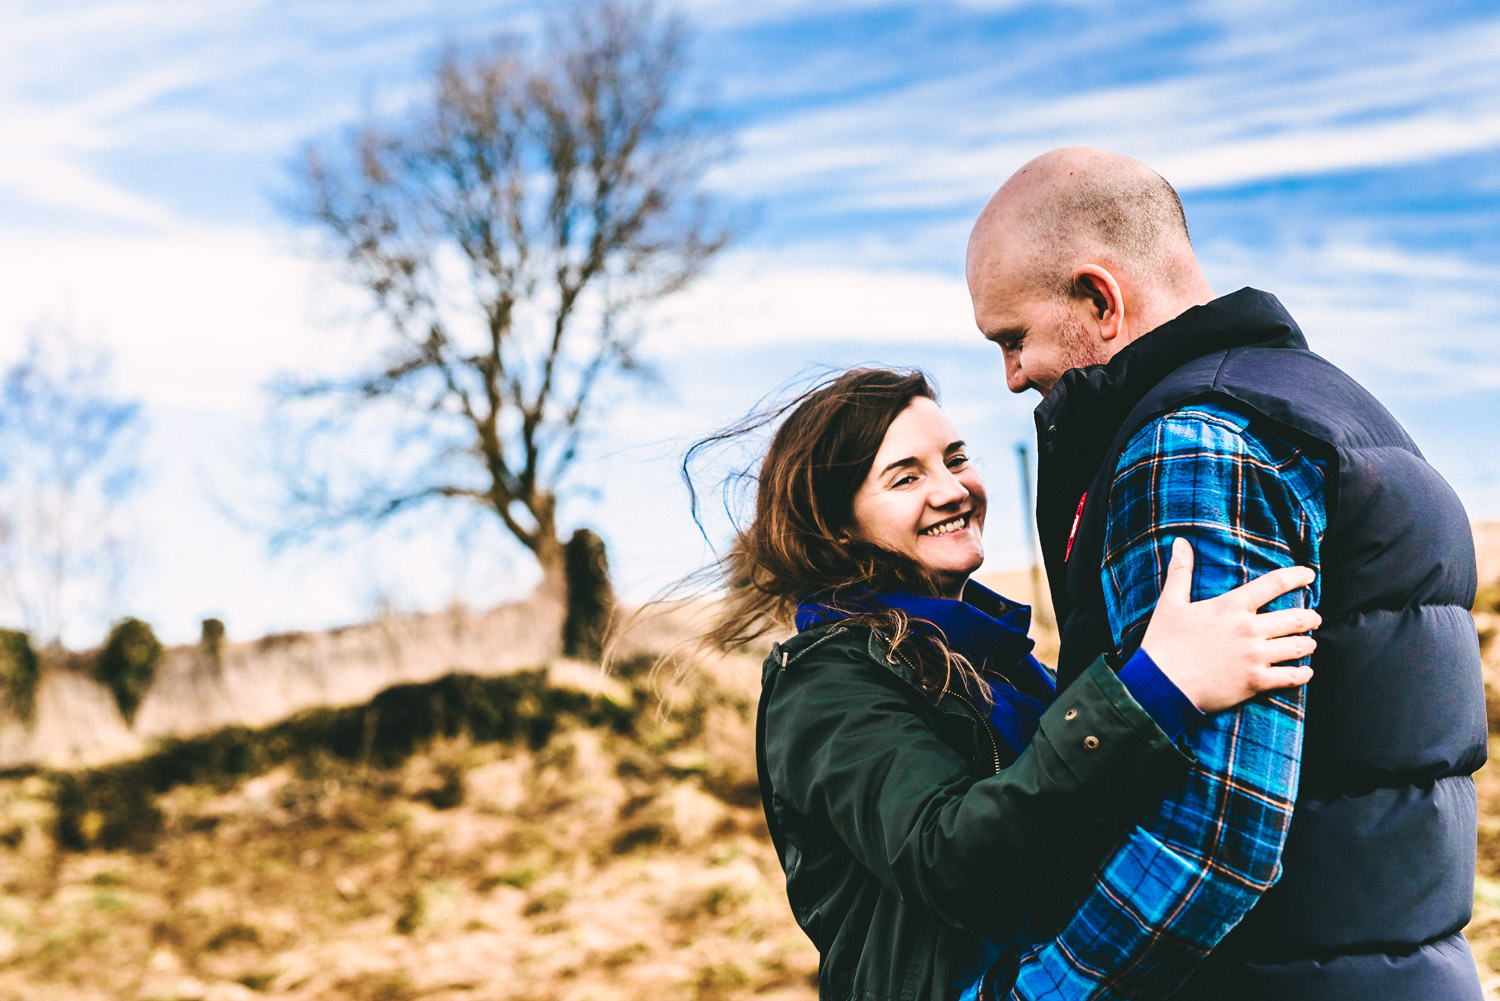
(1219, 652)
(1270, 586)
(1269, 679)
(1287, 621)
(1289, 648)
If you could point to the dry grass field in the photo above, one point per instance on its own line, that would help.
(548, 837)
(597, 851)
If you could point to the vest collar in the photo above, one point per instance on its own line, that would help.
(1088, 404)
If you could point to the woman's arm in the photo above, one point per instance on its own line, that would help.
(850, 744)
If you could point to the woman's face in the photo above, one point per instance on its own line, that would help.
(923, 498)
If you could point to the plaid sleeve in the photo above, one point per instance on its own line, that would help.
(1181, 879)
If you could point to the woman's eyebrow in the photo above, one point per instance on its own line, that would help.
(910, 460)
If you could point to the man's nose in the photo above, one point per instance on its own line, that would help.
(1015, 379)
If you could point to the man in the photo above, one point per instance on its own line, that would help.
(1320, 855)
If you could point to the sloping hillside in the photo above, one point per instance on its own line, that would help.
(534, 837)
(542, 834)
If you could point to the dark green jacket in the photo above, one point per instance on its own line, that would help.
(900, 841)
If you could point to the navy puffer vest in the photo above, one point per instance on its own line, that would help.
(1378, 869)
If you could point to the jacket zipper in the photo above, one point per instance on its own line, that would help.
(983, 725)
(983, 721)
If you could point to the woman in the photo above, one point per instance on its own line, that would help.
(928, 790)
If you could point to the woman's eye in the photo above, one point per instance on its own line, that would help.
(958, 461)
(903, 480)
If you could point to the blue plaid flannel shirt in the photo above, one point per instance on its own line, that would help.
(1181, 879)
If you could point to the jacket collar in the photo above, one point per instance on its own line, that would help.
(1088, 404)
(986, 628)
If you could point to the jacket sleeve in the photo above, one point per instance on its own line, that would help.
(850, 746)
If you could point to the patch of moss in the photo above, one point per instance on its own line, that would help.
(109, 810)
(259, 981)
(113, 806)
(19, 672)
(450, 793)
(639, 836)
(232, 934)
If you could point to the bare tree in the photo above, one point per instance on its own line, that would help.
(67, 458)
(508, 232)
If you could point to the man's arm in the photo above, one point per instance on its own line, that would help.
(1187, 874)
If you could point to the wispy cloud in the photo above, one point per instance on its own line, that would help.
(83, 84)
(948, 139)
(1402, 320)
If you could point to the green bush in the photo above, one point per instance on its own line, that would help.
(591, 599)
(127, 664)
(19, 672)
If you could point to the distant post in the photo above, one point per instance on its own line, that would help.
(1039, 606)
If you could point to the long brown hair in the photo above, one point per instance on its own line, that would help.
(801, 541)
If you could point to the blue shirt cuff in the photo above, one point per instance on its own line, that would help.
(1162, 700)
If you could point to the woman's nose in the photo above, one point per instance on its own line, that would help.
(947, 489)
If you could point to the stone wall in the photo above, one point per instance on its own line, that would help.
(260, 681)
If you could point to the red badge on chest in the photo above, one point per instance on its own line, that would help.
(1073, 532)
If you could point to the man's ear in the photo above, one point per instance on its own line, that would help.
(1097, 289)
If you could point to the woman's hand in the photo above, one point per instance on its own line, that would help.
(1219, 651)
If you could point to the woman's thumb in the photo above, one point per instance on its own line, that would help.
(1179, 583)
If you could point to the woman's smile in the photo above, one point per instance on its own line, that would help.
(947, 527)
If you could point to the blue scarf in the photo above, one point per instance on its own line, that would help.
(989, 630)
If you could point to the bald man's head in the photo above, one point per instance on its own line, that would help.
(1077, 202)
(1085, 227)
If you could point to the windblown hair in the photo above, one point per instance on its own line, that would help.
(802, 542)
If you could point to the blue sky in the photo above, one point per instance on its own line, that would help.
(1344, 156)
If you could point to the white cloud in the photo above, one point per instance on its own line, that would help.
(1428, 136)
(763, 300)
(1400, 320)
(197, 318)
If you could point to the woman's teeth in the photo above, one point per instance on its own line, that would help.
(944, 528)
